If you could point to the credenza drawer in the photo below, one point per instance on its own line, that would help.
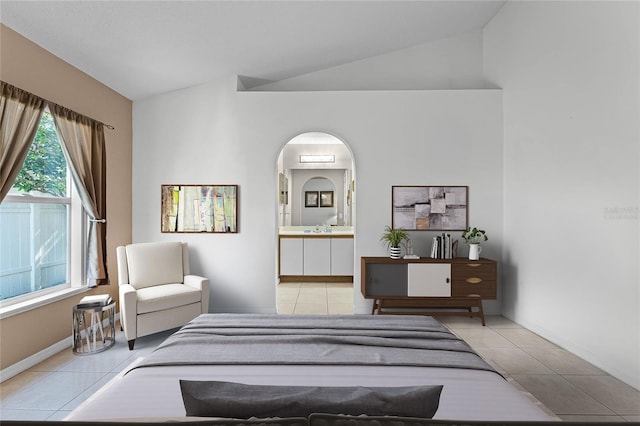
(474, 278)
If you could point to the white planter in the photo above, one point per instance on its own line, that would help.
(394, 252)
(474, 251)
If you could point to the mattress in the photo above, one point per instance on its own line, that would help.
(149, 389)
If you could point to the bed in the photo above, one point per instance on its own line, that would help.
(335, 351)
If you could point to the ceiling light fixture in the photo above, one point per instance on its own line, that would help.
(317, 158)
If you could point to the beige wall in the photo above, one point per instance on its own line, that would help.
(29, 67)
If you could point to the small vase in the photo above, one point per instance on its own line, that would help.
(474, 251)
(394, 252)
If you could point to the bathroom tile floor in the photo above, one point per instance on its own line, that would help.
(566, 385)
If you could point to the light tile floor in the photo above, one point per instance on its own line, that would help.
(568, 386)
(54, 387)
(315, 298)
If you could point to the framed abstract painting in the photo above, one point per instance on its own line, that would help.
(199, 208)
(429, 208)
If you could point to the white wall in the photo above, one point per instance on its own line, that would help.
(569, 73)
(450, 63)
(213, 134)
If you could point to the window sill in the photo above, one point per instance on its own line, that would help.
(36, 302)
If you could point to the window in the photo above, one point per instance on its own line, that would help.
(40, 221)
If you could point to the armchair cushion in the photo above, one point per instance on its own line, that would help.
(152, 264)
(167, 296)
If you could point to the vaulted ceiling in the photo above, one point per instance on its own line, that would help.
(143, 48)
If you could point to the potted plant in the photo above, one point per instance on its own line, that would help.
(392, 239)
(473, 237)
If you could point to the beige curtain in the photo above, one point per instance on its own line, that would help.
(20, 113)
(84, 148)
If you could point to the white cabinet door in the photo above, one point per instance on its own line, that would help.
(317, 256)
(429, 280)
(291, 256)
(341, 256)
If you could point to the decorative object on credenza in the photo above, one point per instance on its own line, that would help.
(429, 208)
(409, 248)
(473, 237)
(393, 239)
(199, 208)
(311, 198)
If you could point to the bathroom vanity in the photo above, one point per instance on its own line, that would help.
(315, 254)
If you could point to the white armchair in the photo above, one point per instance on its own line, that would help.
(156, 290)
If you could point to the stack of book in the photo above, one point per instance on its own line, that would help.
(444, 247)
(95, 301)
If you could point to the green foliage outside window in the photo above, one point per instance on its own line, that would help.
(45, 168)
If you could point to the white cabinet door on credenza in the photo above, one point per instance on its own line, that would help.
(291, 256)
(429, 280)
(317, 256)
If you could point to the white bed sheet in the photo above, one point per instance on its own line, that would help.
(154, 392)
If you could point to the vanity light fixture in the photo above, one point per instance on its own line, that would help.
(317, 158)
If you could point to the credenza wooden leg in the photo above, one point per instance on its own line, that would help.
(477, 302)
(481, 311)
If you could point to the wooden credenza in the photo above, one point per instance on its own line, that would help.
(419, 286)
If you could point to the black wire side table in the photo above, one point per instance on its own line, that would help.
(93, 328)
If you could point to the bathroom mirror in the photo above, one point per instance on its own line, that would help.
(310, 156)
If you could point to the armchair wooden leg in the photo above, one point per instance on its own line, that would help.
(131, 343)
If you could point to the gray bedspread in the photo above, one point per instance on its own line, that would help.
(315, 339)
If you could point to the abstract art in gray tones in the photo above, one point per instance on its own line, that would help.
(429, 208)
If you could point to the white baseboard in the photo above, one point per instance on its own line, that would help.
(27, 363)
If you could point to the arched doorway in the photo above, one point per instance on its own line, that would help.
(316, 206)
